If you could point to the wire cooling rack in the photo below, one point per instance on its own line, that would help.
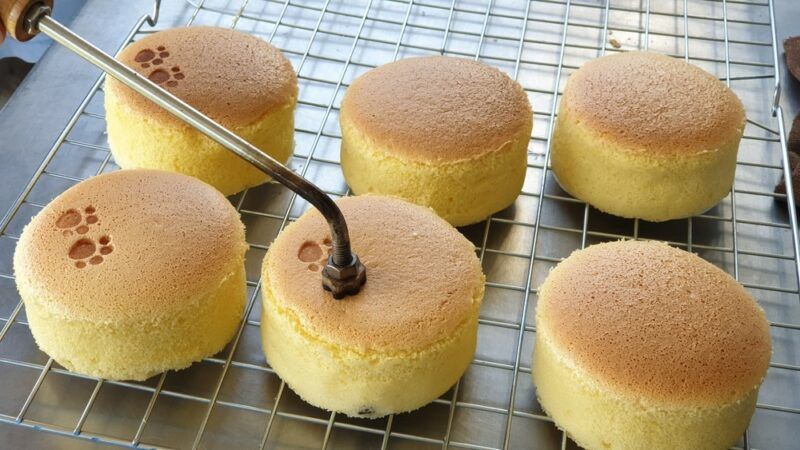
(234, 400)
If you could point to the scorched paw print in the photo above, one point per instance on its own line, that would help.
(315, 253)
(87, 251)
(75, 221)
(148, 58)
(84, 251)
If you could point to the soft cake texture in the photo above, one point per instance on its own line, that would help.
(448, 133)
(132, 273)
(647, 136)
(399, 343)
(641, 345)
(238, 80)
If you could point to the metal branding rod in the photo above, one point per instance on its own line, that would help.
(343, 275)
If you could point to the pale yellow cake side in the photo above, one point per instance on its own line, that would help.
(137, 350)
(141, 141)
(338, 378)
(600, 419)
(461, 192)
(636, 183)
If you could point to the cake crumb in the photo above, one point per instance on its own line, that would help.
(614, 43)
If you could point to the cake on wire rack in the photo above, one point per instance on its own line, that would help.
(234, 399)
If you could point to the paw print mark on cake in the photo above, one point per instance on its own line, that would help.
(144, 56)
(86, 251)
(73, 221)
(159, 76)
(69, 219)
(315, 253)
(149, 57)
(309, 252)
(177, 75)
(162, 76)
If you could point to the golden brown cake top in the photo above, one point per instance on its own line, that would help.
(651, 102)
(423, 278)
(647, 319)
(437, 109)
(132, 244)
(232, 77)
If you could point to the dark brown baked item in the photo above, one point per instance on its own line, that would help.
(794, 136)
(780, 188)
(791, 46)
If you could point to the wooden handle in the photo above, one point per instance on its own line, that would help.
(13, 13)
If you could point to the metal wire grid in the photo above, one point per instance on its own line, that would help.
(234, 399)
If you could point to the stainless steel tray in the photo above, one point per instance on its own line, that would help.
(234, 400)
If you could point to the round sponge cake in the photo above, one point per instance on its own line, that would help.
(238, 80)
(132, 273)
(448, 133)
(647, 136)
(641, 345)
(399, 343)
